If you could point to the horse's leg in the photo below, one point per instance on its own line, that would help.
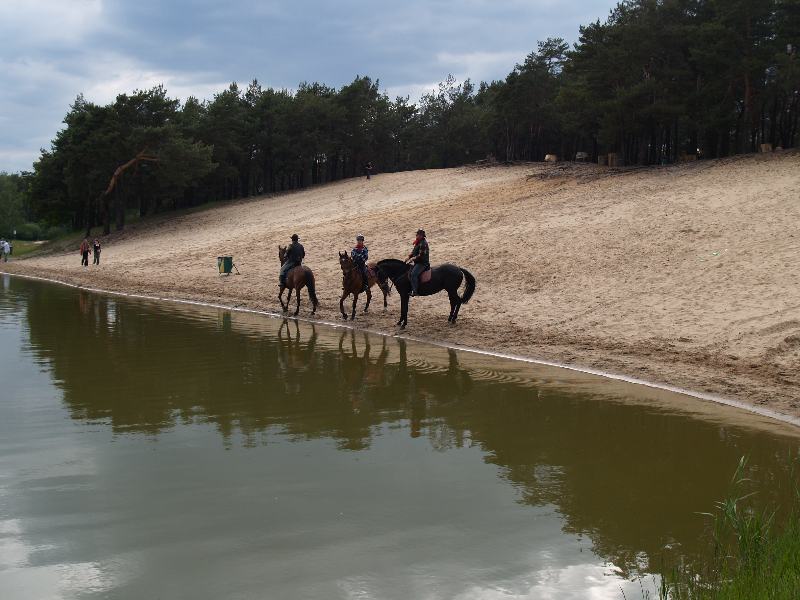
(454, 302)
(297, 310)
(288, 299)
(355, 301)
(285, 307)
(311, 299)
(458, 308)
(403, 311)
(369, 297)
(345, 294)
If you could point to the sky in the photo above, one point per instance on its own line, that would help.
(53, 50)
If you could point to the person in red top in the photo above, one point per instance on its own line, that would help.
(360, 255)
(85, 252)
(420, 256)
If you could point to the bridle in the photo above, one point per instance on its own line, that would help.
(347, 271)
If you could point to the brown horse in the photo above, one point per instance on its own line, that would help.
(296, 280)
(353, 283)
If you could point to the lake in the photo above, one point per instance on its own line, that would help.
(158, 450)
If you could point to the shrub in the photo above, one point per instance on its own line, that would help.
(29, 231)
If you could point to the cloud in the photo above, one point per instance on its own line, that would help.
(40, 23)
(480, 66)
(52, 50)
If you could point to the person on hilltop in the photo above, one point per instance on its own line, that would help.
(295, 254)
(85, 252)
(420, 255)
(360, 255)
(96, 251)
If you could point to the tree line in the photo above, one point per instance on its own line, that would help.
(656, 81)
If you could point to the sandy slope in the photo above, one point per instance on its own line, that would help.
(685, 275)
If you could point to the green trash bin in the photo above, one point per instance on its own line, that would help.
(225, 264)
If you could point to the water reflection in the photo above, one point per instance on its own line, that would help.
(626, 478)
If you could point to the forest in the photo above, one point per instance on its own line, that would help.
(658, 82)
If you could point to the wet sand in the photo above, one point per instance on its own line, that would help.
(684, 275)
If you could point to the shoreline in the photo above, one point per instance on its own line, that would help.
(756, 410)
(684, 276)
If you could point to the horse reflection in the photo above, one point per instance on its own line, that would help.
(360, 373)
(294, 356)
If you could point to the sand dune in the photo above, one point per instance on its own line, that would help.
(686, 275)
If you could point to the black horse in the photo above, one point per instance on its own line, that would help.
(444, 277)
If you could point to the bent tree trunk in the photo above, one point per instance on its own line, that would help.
(103, 199)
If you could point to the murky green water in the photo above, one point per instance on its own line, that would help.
(161, 451)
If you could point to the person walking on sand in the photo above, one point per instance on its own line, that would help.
(96, 251)
(420, 255)
(295, 254)
(360, 255)
(85, 252)
(6, 248)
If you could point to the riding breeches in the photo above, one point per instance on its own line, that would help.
(287, 266)
(416, 272)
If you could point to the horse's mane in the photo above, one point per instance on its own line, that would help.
(395, 262)
(391, 267)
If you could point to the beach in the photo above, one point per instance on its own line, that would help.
(684, 275)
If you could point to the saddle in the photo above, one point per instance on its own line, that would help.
(425, 277)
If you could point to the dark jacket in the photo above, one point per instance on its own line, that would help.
(421, 253)
(360, 256)
(295, 253)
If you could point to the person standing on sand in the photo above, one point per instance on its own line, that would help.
(4, 246)
(96, 251)
(421, 257)
(295, 254)
(85, 252)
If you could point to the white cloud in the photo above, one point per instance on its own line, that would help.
(113, 75)
(414, 91)
(479, 66)
(52, 50)
(33, 22)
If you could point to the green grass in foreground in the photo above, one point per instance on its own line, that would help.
(23, 247)
(753, 557)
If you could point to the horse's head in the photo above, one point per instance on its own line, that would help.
(345, 261)
(390, 268)
(282, 254)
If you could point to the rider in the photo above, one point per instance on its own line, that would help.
(294, 258)
(360, 255)
(421, 257)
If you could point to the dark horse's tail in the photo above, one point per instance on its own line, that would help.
(312, 291)
(470, 289)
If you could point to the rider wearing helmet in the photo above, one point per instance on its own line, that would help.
(360, 255)
(295, 254)
(421, 257)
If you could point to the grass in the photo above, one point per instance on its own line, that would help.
(23, 247)
(753, 556)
